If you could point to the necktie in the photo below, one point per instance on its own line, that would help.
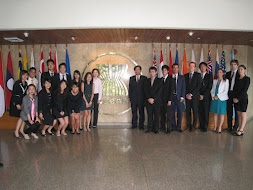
(51, 74)
(32, 109)
(232, 74)
(32, 81)
(190, 77)
(138, 79)
(152, 81)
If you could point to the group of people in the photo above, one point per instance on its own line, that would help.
(62, 99)
(165, 98)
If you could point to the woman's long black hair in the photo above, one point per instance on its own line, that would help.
(85, 78)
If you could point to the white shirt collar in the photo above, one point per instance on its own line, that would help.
(165, 77)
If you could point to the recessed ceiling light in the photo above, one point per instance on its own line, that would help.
(167, 37)
(13, 39)
(198, 38)
(26, 34)
(136, 37)
(73, 38)
(190, 33)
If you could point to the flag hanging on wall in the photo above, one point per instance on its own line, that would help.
(232, 54)
(41, 70)
(2, 102)
(55, 61)
(25, 62)
(20, 65)
(50, 54)
(154, 58)
(223, 63)
(170, 69)
(217, 65)
(68, 64)
(209, 63)
(176, 59)
(193, 57)
(160, 74)
(184, 67)
(32, 60)
(9, 82)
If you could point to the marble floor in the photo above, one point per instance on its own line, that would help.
(128, 159)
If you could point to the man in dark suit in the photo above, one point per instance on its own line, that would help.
(178, 98)
(153, 90)
(167, 94)
(62, 75)
(50, 73)
(193, 82)
(136, 97)
(205, 97)
(232, 76)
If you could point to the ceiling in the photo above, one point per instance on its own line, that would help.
(127, 36)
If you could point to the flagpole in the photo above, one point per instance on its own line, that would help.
(152, 53)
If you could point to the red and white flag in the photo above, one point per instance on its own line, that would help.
(41, 70)
(160, 74)
(2, 102)
(55, 61)
(170, 71)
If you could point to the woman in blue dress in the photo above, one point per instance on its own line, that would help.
(219, 95)
(87, 88)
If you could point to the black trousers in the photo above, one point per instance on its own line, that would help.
(204, 108)
(134, 108)
(153, 117)
(192, 106)
(32, 128)
(96, 105)
(165, 113)
(230, 106)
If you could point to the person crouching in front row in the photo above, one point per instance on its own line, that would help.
(153, 90)
(29, 113)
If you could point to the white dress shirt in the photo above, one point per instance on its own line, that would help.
(138, 77)
(233, 79)
(63, 76)
(98, 87)
(51, 74)
(203, 75)
(164, 78)
(33, 81)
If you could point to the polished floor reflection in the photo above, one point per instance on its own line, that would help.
(128, 159)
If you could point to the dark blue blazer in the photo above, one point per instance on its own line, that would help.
(181, 87)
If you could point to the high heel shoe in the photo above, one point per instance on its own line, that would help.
(241, 133)
(43, 135)
(18, 137)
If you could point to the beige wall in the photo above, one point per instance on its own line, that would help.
(81, 54)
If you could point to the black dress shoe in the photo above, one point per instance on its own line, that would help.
(204, 130)
(141, 128)
(227, 129)
(156, 132)
(148, 131)
(133, 127)
(1, 165)
(180, 130)
(168, 131)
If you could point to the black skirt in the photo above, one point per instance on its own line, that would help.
(242, 105)
(57, 114)
(14, 112)
(48, 118)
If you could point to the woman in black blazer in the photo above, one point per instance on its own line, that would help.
(241, 99)
(45, 108)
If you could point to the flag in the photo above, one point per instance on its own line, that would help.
(25, 62)
(184, 67)
(193, 57)
(9, 82)
(67, 64)
(20, 65)
(170, 70)
(55, 61)
(154, 58)
(232, 54)
(50, 54)
(176, 59)
(2, 102)
(41, 70)
(32, 60)
(209, 63)
(217, 65)
(201, 56)
(223, 63)
(160, 74)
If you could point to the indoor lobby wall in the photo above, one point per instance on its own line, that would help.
(81, 54)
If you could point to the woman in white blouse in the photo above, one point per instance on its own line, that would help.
(97, 94)
(219, 95)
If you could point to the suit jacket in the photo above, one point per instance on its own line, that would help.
(241, 87)
(56, 81)
(167, 89)
(46, 75)
(228, 76)
(28, 106)
(44, 105)
(154, 91)
(222, 91)
(206, 86)
(193, 87)
(180, 87)
(136, 90)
